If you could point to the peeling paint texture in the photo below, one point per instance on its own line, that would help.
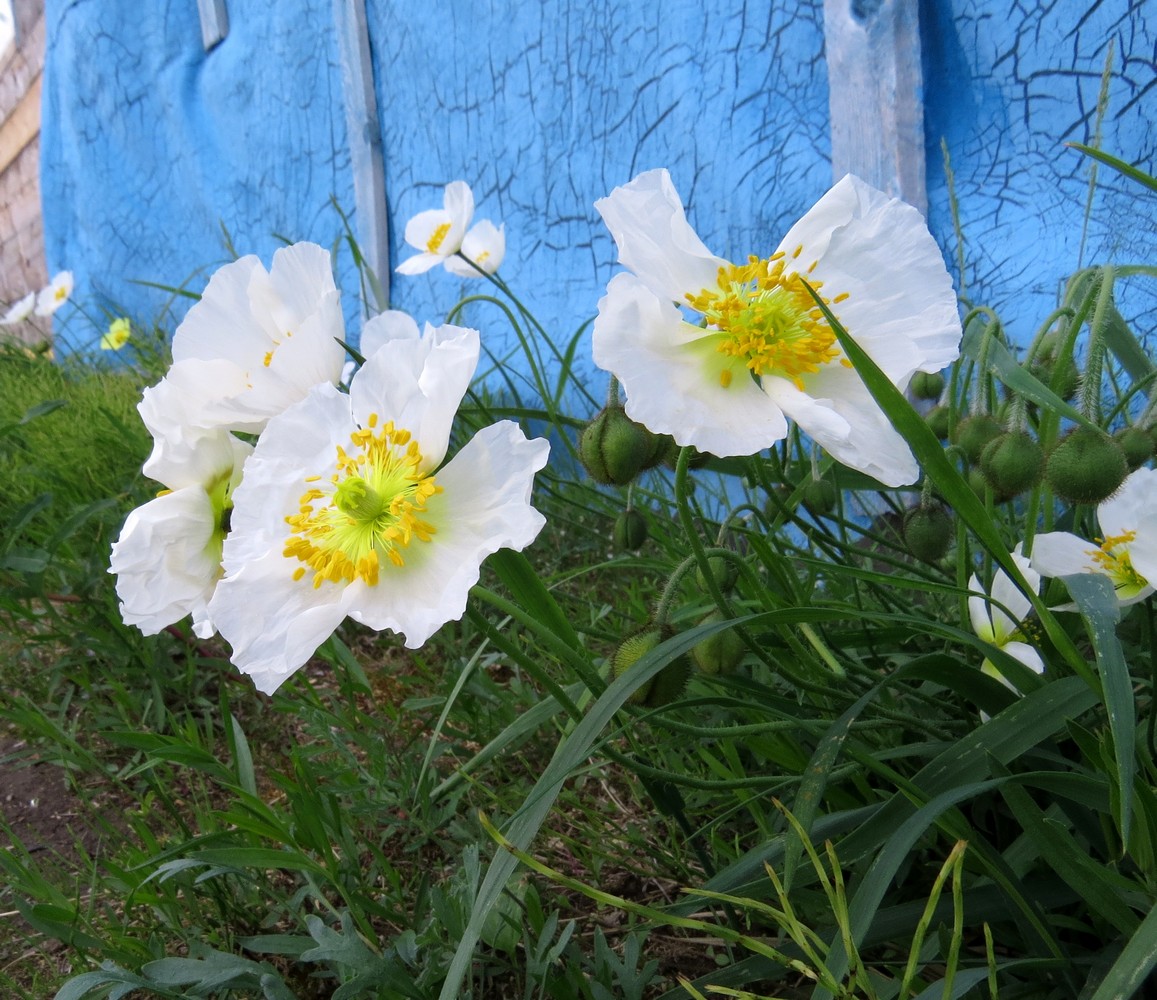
(148, 141)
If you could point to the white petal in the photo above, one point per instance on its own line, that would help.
(671, 374)
(55, 294)
(978, 611)
(19, 311)
(647, 221)
(484, 506)
(420, 263)
(273, 622)
(418, 384)
(163, 561)
(1006, 593)
(438, 233)
(901, 307)
(393, 324)
(1059, 553)
(298, 443)
(1133, 506)
(485, 244)
(839, 413)
(220, 325)
(1025, 653)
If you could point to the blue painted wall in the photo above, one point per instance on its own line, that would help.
(148, 141)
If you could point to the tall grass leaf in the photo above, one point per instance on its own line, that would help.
(242, 756)
(570, 753)
(1100, 611)
(1137, 959)
(524, 584)
(961, 984)
(1127, 169)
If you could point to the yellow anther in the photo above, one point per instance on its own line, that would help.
(438, 237)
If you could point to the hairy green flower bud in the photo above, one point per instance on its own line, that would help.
(937, 420)
(630, 531)
(927, 385)
(1086, 466)
(928, 532)
(719, 653)
(613, 448)
(819, 497)
(1012, 463)
(973, 433)
(665, 686)
(725, 571)
(1136, 444)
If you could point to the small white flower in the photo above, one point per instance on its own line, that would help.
(256, 342)
(438, 232)
(997, 619)
(1127, 552)
(55, 294)
(485, 245)
(346, 508)
(19, 311)
(167, 559)
(757, 349)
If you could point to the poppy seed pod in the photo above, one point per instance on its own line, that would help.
(613, 448)
(719, 653)
(819, 497)
(1012, 463)
(1086, 466)
(937, 420)
(724, 570)
(1137, 445)
(665, 686)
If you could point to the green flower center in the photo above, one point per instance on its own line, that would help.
(1112, 559)
(767, 320)
(368, 512)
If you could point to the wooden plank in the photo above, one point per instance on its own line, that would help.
(365, 140)
(876, 94)
(214, 22)
(21, 126)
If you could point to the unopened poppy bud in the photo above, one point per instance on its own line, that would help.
(613, 448)
(928, 532)
(1012, 463)
(630, 531)
(1136, 444)
(973, 434)
(665, 686)
(719, 653)
(724, 570)
(937, 420)
(1086, 466)
(819, 497)
(927, 385)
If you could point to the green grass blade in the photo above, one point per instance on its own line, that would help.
(1133, 965)
(1127, 169)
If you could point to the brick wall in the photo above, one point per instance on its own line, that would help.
(22, 267)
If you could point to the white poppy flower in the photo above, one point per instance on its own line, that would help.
(757, 350)
(997, 619)
(485, 245)
(167, 559)
(54, 294)
(257, 341)
(19, 311)
(347, 510)
(438, 232)
(1127, 552)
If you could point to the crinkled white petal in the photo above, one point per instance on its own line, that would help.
(901, 306)
(164, 563)
(647, 221)
(484, 506)
(184, 454)
(393, 324)
(485, 245)
(1059, 553)
(418, 384)
(670, 372)
(19, 311)
(273, 623)
(839, 413)
(257, 341)
(55, 294)
(298, 443)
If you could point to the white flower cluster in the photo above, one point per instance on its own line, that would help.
(343, 507)
(42, 303)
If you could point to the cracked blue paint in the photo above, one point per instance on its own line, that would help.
(148, 141)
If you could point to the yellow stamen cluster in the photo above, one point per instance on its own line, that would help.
(369, 509)
(1112, 559)
(268, 359)
(769, 319)
(438, 237)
